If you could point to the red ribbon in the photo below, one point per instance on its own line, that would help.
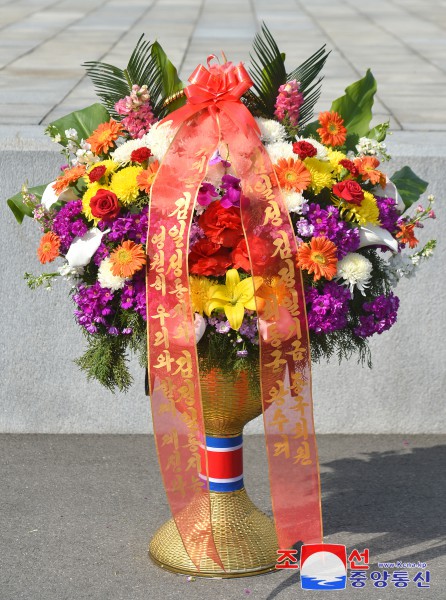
(213, 115)
(217, 89)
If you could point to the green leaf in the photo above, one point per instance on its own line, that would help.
(355, 107)
(379, 132)
(409, 185)
(84, 121)
(112, 83)
(267, 71)
(19, 208)
(310, 87)
(170, 82)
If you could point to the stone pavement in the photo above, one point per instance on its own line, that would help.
(77, 512)
(44, 42)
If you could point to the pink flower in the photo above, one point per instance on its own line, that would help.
(288, 102)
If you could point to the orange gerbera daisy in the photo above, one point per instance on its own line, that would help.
(48, 248)
(103, 138)
(367, 169)
(332, 130)
(318, 257)
(407, 235)
(292, 174)
(67, 177)
(147, 177)
(127, 259)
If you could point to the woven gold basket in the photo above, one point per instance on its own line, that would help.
(244, 536)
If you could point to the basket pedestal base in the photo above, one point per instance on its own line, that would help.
(244, 536)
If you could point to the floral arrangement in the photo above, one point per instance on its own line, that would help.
(356, 231)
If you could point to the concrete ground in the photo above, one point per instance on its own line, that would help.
(78, 510)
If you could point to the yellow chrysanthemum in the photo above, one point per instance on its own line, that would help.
(368, 212)
(321, 174)
(199, 291)
(124, 184)
(334, 156)
(91, 191)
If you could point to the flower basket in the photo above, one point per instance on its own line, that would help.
(220, 233)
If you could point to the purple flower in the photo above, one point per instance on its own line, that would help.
(66, 226)
(206, 194)
(327, 309)
(217, 158)
(327, 223)
(382, 315)
(93, 307)
(231, 197)
(133, 295)
(130, 226)
(388, 213)
(101, 253)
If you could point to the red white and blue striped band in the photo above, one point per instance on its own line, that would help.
(225, 462)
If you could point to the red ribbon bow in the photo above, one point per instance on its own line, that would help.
(217, 89)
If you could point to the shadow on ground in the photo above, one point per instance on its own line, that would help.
(401, 494)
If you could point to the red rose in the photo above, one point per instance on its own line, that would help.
(261, 251)
(208, 258)
(304, 150)
(104, 205)
(350, 191)
(96, 173)
(222, 225)
(140, 155)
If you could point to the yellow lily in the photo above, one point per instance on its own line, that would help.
(234, 297)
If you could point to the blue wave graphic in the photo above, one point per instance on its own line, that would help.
(323, 583)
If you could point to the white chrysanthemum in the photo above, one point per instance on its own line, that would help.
(280, 150)
(294, 201)
(107, 279)
(271, 131)
(355, 270)
(159, 138)
(322, 153)
(123, 153)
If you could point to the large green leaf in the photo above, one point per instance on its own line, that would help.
(355, 107)
(170, 82)
(17, 205)
(84, 121)
(409, 185)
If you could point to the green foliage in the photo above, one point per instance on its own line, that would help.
(409, 185)
(355, 107)
(310, 83)
(20, 207)
(170, 82)
(267, 71)
(112, 83)
(379, 132)
(35, 281)
(213, 346)
(343, 344)
(84, 121)
(105, 360)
